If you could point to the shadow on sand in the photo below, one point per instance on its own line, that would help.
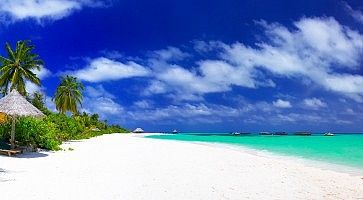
(2, 172)
(31, 155)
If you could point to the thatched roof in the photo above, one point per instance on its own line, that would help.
(15, 104)
(138, 130)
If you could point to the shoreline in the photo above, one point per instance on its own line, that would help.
(322, 164)
(120, 166)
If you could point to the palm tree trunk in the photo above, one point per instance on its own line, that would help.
(12, 137)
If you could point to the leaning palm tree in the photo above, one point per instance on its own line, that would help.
(68, 95)
(17, 67)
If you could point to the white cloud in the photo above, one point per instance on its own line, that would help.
(104, 106)
(42, 74)
(314, 103)
(223, 75)
(209, 76)
(155, 87)
(345, 83)
(181, 80)
(193, 113)
(170, 54)
(31, 87)
(112, 54)
(97, 91)
(356, 14)
(246, 112)
(279, 103)
(202, 46)
(176, 81)
(98, 100)
(143, 104)
(189, 85)
(104, 69)
(333, 43)
(43, 9)
(316, 50)
(50, 103)
(350, 111)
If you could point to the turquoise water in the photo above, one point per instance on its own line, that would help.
(344, 149)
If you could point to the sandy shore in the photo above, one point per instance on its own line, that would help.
(127, 167)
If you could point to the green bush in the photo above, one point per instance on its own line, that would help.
(68, 127)
(5, 131)
(52, 130)
(37, 133)
(116, 129)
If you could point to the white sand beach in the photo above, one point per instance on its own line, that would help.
(129, 167)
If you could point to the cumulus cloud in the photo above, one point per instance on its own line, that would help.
(44, 9)
(316, 49)
(155, 87)
(319, 52)
(104, 69)
(314, 103)
(209, 80)
(189, 85)
(98, 100)
(279, 103)
(209, 76)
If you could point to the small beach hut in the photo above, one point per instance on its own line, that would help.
(138, 130)
(15, 105)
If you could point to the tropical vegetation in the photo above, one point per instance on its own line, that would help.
(68, 95)
(50, 131)
(18, 67)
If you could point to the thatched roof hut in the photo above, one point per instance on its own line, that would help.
(138, 130)
(14, 104)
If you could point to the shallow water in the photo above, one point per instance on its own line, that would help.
(343, 149)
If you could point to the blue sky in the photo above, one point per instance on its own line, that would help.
(201, 65)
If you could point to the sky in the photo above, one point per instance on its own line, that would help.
(201, 65)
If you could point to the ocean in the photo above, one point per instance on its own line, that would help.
(342, 149)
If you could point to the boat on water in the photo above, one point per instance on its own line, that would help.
(328, 134)
(280, 133)
(240, 133)
(174, 131)
(302, 133)
(265, 133)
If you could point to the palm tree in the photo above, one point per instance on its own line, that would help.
(37, 100)
(18, 66)
(68, 95)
